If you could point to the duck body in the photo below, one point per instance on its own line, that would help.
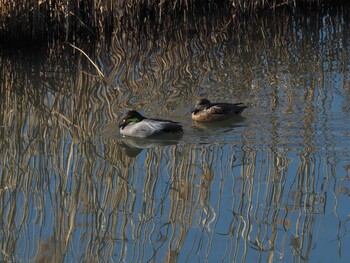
(136, 125)
(205, 111)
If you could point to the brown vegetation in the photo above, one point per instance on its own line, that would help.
(68, 192)
(36, 21)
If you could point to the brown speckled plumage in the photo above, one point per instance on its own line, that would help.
(205, 111)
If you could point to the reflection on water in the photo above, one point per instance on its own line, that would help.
(133, 146)
(270, 185)
(218, 131)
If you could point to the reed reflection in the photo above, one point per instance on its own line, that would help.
(166, 199)
(259, 188)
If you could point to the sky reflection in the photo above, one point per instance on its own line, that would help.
(272, 185)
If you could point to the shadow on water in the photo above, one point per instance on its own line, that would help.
(272, 185)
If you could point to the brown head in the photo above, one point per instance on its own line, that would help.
(201, 104)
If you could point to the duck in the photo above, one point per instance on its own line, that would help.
(135, 125)
(205, 111)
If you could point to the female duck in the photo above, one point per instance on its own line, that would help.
(205, 111)
(136, 125)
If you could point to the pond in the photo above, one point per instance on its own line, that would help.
(271, 185)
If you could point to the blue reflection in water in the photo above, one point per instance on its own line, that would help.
(249, 197)
(271, 185)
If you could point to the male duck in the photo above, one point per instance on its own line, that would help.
(136, 125)
(205, 111)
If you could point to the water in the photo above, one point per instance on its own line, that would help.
(271, 185)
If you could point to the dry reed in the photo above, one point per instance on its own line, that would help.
(75, 194)
(32, 21)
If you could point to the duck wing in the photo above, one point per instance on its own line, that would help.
(227, 108)
(238, 107)
(158, 126)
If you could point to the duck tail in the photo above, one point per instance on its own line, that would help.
(240, 107)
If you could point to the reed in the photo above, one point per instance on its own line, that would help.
(60, 175)
(39, 21)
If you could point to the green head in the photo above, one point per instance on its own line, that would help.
(131, 116)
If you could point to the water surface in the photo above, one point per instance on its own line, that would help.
(271, 185)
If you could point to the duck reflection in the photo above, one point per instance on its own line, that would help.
(133, 146)
(232, 122)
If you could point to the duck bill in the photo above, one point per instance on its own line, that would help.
(123, 124)
(194, 111)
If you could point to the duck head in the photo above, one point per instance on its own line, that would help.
(131, 116)
(201, 104)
